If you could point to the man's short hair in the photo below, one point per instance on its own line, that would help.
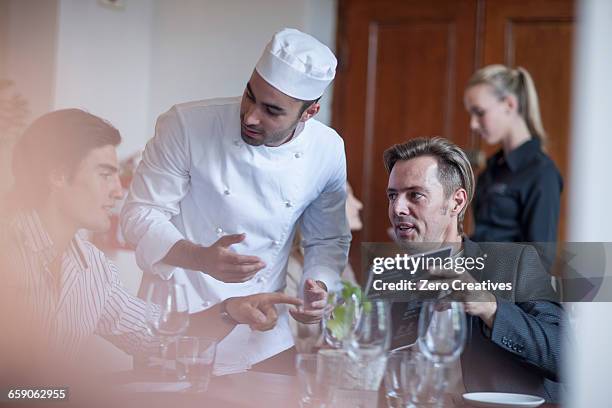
(454, 169)
(306, 105)
(59, 140)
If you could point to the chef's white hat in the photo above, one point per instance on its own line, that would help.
(297, 64)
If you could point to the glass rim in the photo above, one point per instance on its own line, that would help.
(191, 337)
(307, 355)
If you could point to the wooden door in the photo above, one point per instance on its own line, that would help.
(403, 65)
(538, 36)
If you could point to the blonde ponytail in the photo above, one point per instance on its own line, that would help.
(518, 82)
(530, 108)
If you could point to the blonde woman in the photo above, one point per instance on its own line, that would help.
(517, 196)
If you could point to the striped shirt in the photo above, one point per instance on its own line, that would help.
(63, 311)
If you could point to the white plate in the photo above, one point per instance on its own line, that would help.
(502, 400)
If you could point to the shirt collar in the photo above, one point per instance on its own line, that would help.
(37, 239)
(77, 246)
(523, 155)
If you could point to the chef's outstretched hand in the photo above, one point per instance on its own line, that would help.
(225, 265)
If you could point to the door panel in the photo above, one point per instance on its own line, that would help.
(406, 64)
(538, 36)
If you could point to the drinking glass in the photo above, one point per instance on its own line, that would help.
(311, 392)
(167, 313)
(195, 357)
(372, 336)
(366, 348)
(426, 381)
(340, 319)
(397, 379)
(442, 330)
(441, 339)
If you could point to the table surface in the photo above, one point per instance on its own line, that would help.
(251, 389)
(245, 390)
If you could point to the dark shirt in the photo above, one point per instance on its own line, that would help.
(518, 197)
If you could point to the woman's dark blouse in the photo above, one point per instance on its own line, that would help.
(517, 197)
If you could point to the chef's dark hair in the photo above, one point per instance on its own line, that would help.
(57, 141)
(306, 105)
(454, 169)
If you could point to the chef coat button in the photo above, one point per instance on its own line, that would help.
(297, 155)
(206, 304)
(288, 204)
(261, 279)
(226, 191)
(236, 143)
(219, 231)
(276, 243)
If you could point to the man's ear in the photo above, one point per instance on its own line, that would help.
(458, 201)
(310, 112)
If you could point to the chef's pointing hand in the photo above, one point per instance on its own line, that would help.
(225, 265)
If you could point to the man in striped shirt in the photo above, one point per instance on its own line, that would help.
(57, 288)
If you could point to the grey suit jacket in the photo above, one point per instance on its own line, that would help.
(522, 352)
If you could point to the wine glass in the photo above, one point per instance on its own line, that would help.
(441, 339)
(367, 347)
(372, 335)
(167, 313)
(397, 378)
(310, 384)
(442, 330)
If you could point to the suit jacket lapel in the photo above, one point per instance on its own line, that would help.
(472, 250)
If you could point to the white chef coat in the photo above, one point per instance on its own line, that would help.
(199, 181)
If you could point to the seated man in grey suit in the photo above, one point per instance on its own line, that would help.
(514, 337)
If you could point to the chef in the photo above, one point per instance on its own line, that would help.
(224, 184)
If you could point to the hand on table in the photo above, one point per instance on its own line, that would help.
(315, 300)
(258, 311)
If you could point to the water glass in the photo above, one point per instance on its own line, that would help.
(340, 319)
(310, 386)
(426, 380)
(397, 379)
(442, 330)
(372, 336)
(195, 357)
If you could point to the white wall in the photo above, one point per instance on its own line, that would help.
(208, 48)
(321, 16)
(103, 64)
(589, 360)
(129, 65)
(31, 51)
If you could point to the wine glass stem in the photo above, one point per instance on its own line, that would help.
(164, 355)
(441, 383)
